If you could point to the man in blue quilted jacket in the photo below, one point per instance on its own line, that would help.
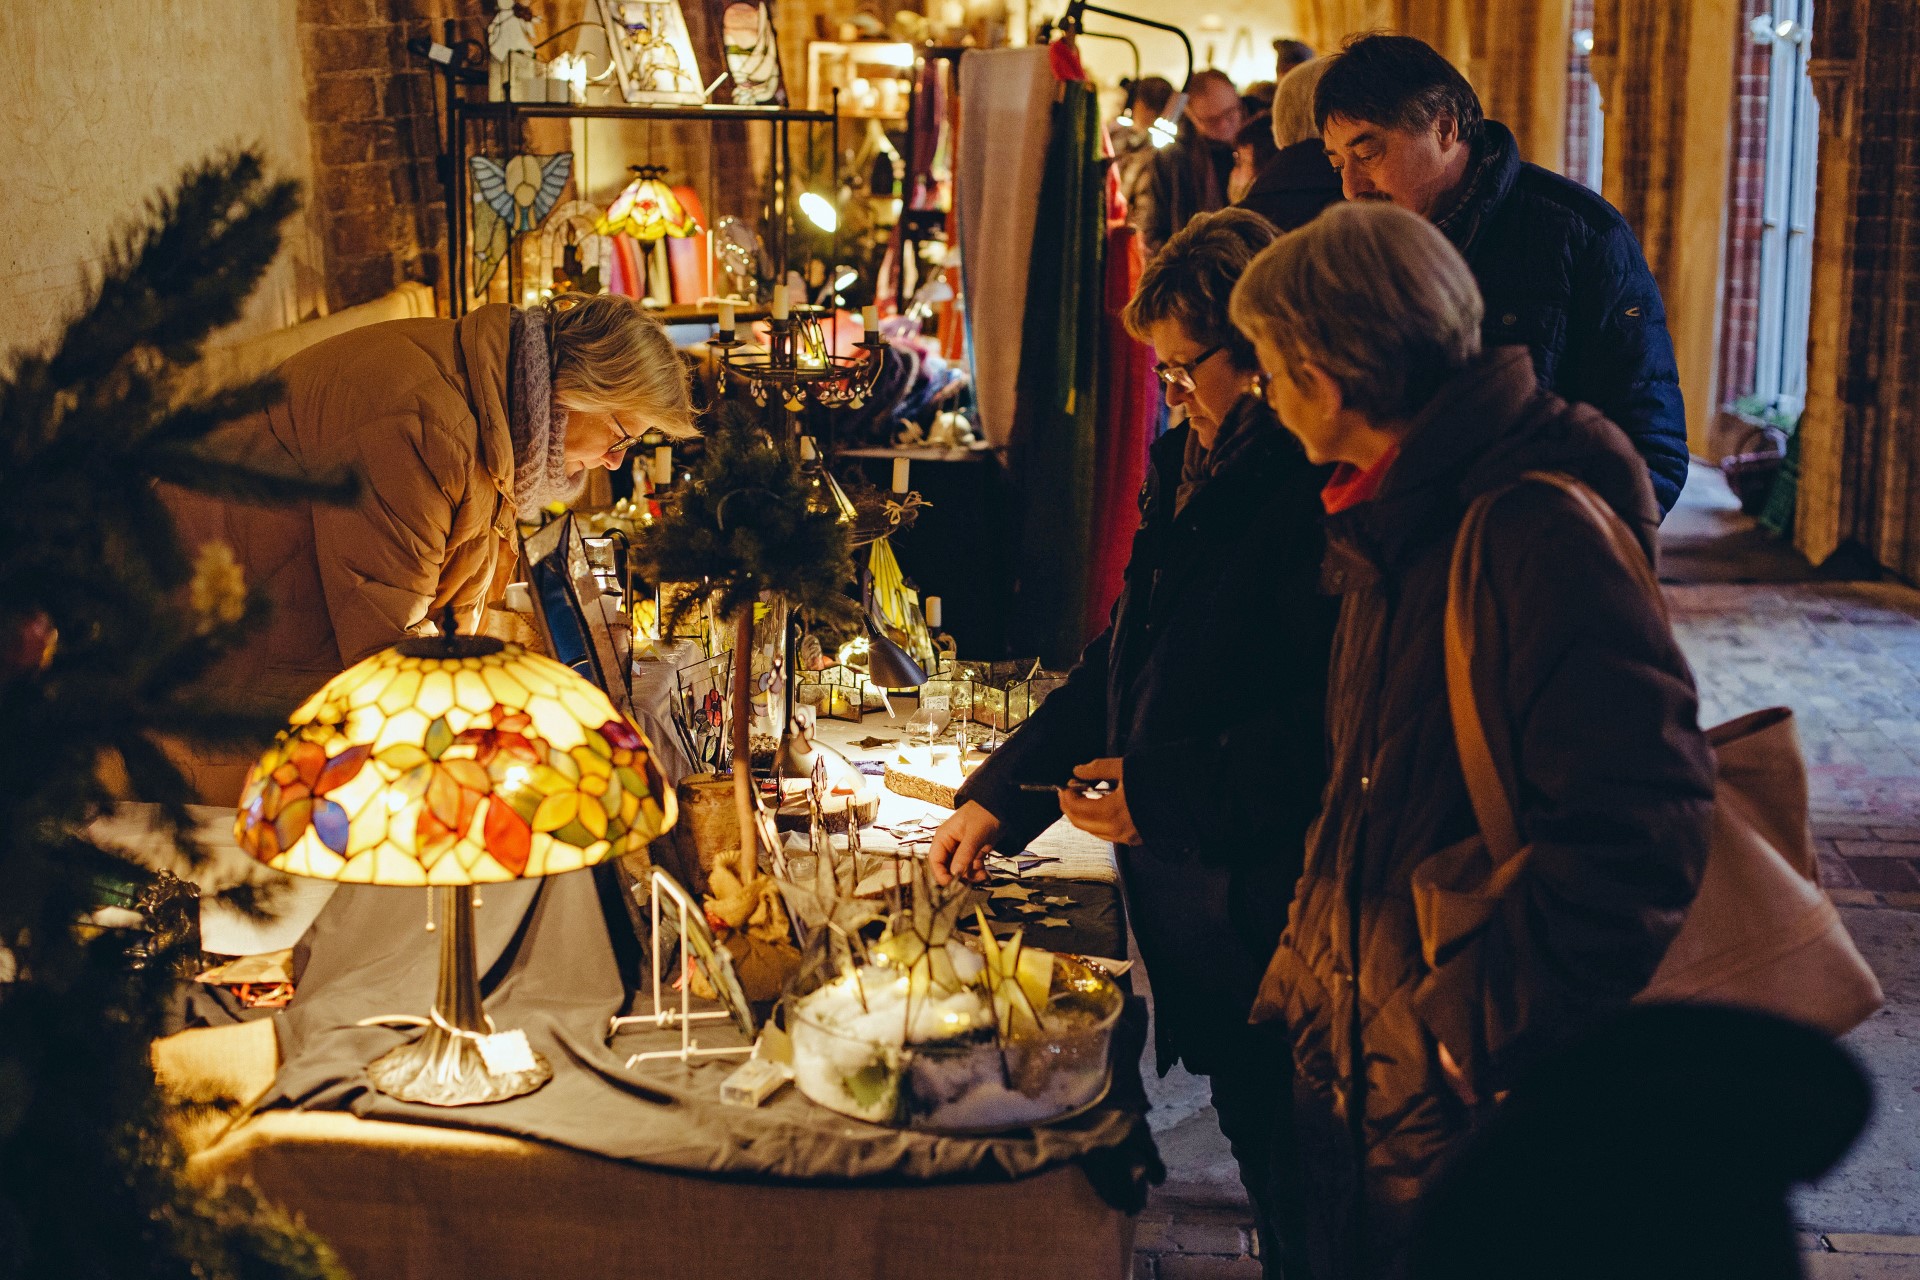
(1558, 266)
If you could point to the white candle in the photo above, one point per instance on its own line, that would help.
(663, 465)
(933, 611)
(780, 304)
(726, 322)
(870, 318)
(899, 475)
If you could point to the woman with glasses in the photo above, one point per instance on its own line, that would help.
(1199, 709)
(455, 428)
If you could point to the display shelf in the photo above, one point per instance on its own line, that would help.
(918, 452)
(467, 116)
(690, 313)
(712, 113)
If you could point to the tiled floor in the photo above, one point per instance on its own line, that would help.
(1846, 657)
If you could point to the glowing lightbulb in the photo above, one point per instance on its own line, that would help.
(819, 210)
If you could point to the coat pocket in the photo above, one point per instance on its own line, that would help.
(1455, 893)
(1293, 994)
(1539, 326)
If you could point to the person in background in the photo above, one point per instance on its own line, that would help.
(1289, 54)
(1212, 787)
(1257, 98)
(1190, 177)
(457, 428)
(1295, 181)
(1558, 266)
(1132, 134)
(1253, 149)
(1407, 1023)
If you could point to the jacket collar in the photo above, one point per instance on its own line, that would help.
(1494, 168)
(1302, 166)
(1435, 473)
(483, 334)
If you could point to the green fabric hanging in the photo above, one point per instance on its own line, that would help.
(1053, 444)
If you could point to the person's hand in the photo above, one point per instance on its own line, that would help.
(961, 845)
(1104, 814)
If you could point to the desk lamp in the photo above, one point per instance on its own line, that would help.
(451, 762)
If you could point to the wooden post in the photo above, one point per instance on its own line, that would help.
(749, 865)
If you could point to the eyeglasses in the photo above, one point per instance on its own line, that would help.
(625, 440)
(1173, 374)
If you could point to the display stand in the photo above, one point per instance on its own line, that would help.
(684, 1017)
(453, 170)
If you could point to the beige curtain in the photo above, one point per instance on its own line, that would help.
(1858, 435)
(1513, 52)
(1665, 73)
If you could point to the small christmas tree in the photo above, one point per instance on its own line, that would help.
(744, 527)
(105, 626)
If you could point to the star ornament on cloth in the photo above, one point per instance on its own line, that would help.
(522, 190)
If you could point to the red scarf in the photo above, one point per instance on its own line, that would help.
(1349, 486)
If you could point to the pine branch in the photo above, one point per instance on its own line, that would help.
(196, 468)
(192, 422)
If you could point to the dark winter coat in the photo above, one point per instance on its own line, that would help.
(1177, 184)
(1596, 707)
(1211, 684)
(1563, 275)
(1293, 186)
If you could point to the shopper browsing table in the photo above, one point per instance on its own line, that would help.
(1558, 267)
(1201, 705)
(455, 428)
(1367, 323)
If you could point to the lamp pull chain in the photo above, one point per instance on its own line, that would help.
(431, 926)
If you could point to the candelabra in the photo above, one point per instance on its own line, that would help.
(799, 365)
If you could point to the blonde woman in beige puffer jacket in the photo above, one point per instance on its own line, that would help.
(455, 428)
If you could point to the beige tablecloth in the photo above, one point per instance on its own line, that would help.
(412, 1202)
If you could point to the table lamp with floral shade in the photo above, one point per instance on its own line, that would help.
(450, 762)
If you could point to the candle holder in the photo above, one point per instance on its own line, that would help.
(799, 367)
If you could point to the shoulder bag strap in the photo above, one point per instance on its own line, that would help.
(1492, 802)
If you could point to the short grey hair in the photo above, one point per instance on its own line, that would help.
(1373, 294)
(611, 355)
(1293, 103)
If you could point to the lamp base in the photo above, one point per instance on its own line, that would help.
(445, 1070)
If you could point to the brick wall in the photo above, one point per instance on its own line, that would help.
(1746, 203)
(376, 198)
(1580, 121)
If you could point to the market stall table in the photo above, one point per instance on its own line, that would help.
(611, 1168)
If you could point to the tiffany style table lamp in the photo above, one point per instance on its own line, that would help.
(452, 762)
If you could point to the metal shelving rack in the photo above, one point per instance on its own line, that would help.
(777, 211)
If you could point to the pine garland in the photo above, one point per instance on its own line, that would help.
(744, 526)
(100, 647)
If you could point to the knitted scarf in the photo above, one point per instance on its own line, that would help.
(537, 425)
(1245, 427)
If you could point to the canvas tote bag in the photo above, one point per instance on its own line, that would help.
(1760, 933)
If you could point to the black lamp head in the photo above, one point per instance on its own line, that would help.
(888, 665)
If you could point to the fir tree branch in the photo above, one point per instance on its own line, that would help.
(195, 468)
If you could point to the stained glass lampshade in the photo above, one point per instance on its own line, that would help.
(647, 209)
(451, 762)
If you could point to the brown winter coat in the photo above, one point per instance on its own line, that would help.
(419, 409)
(1613, 780)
